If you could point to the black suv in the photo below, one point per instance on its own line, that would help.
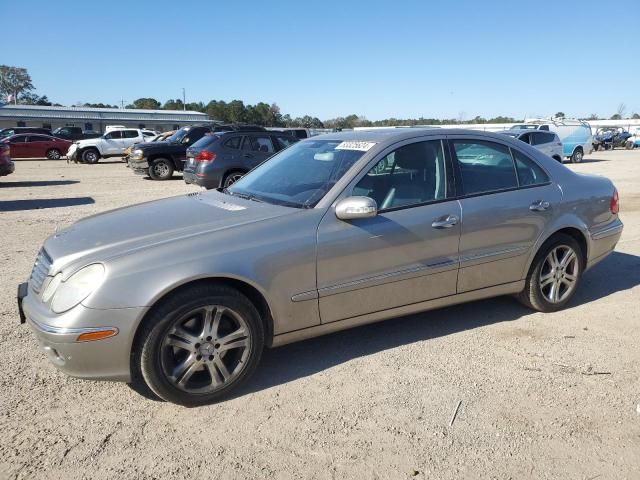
(221, 158)
(160, 159)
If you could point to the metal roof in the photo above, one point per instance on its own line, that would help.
(112, 114)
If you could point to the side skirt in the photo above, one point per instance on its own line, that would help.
(323, 329)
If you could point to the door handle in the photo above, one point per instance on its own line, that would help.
(445, 222)
(247, 155)
(539, 206)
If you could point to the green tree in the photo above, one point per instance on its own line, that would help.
(616, 116)
(217, 110)
(560, 115)
(14, 81)
(145, 104)
(237, 112)
(636, 116)
(173, 104)
(593, 116)
(33, 99)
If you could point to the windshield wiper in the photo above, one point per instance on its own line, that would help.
(246, 196)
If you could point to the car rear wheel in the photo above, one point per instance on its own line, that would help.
(231, 178)
(198, 346)
(54, 154)
(554, 275)
(90, 155)
(577, 155)
(161, 169)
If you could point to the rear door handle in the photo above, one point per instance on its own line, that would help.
(445, 222)
(247, 155)
(539, 206)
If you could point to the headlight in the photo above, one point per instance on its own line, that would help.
(76, 288)
(137, 154)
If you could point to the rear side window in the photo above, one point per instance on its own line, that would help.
(284, 142)
(129, 133)
(262, 144)
(484, 166)
(529, 172)
(233, 143)
(37, 138)
(19, 139)
(540, 138)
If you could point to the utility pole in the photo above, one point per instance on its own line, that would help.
(184, 100)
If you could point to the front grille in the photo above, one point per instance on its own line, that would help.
(40, 270)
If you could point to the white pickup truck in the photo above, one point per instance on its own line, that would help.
(111, 144)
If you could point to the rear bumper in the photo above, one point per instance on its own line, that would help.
(206, 182)
(603, 241)
(7, 168)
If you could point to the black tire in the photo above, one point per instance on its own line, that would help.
(90, 155)
(54, 154)
(577, 155)
(161, 169)
(150, 354)
(232, 177)
(558, 159)
(533, 295)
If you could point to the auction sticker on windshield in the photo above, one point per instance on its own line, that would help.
(362, 146)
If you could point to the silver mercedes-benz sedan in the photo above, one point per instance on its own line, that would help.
(183, 294)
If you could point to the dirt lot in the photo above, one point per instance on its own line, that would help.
(374, 402)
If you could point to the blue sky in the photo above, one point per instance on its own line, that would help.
(379, 59)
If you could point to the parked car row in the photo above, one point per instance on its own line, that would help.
(211, 157)
(575, 135)
(36, 146)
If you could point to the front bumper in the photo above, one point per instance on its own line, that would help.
(107, 359)
(7, 169)
(141, 167)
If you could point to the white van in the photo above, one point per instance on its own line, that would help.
(575, 135)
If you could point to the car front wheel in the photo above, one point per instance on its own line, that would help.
(198, 346)
(90, 155)
(161, 169)
(554, 274)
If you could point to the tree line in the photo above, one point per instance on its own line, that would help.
(17, 87)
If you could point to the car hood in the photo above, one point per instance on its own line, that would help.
(127, 230)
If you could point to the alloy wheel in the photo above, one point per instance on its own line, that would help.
(206, 349)
(559, 274)
(233, 178)
(161, 169)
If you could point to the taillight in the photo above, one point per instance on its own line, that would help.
(205, 156)
(614, 206)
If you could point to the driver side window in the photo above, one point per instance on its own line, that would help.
(411, 175)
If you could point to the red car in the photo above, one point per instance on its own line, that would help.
(37, 146)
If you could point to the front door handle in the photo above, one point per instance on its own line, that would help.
(447, 221)
(539, 206)
(247, 155)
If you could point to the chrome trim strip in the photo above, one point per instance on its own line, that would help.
(470, 258)
(607, 232)
(386, 278)
(68, 331)
(301, 297)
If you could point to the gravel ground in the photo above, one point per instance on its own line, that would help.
(373, 402)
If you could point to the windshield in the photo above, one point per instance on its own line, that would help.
(176, 137)
(298, 176)
(6, 133)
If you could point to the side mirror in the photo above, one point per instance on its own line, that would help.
(351, 208)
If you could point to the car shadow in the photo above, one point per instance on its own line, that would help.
(291, 362)
(176, 176)
(593, 160)
(39, 203)
(38, 183)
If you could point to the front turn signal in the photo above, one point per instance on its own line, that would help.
(97, 335)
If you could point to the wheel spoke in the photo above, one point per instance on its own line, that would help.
(183, 372)
(237, 339)
(567, 259)
(212, 321)
(554, 258)
(222, 368)
(216, 379)
(546, 279)
(180, 338)
(570, 277)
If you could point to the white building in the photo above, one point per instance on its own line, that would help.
(96, 118)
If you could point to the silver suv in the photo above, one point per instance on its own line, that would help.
(547, 142)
